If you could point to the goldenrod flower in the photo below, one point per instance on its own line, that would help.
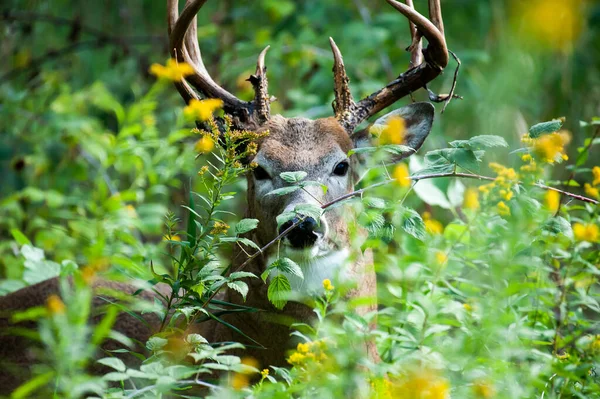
(551, 147)
(327, 286)
(392, 133)
(203, 170)
(591, 191)
(219, 228)
(432, 226)
(506, 194)
(596, 173)
(526, 158)
(295, 358)
(483, 389)
(202, 109)
(204, 145)
(421, 384)
(264, 373)
(171, 238)
(239, 381)
(586, 232)
(595, 345)
(552, 200)
(503, 209)
(467, 307)
(401, 175)
(55, 305)
(174, 70)
(441, 258)
(471, 199)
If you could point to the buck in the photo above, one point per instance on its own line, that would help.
(318, 147)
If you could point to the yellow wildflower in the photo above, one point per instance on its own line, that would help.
(503, 209)
(296, 358)
(239, 381)
(174, 70)
(327, 286)
(471, 199)
(55, 305)
(252, 148)
(203, 170)
(425, 385)
(264, 373)
(552, 200)
(551, 147)
(171, 238)
(432, 226)
(467, 307)
(526, 158)
(586, 232)
(204, 145)
(483, 389)
(595, 345)
(304, 347)
(596, 173)
(401, 175)
(393, 132)
(591, 191)
(506, 194)
(219, 228)
(441, 257)
(202, 109)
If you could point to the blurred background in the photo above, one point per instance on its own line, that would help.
(94, 152)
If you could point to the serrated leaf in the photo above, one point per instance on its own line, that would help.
(245, 225)
(293, 177)
(482, 141)
(196, 339)
(373, 202)
(558, 225)
(237, 275)
(113, 362)
(362, 150)
(552, 126)
(156, 343)
(283, 190)
(284, 218)
(397, 149)
(279, 291)
(310, 210)
(284, 265)
(239, 286)
(248, 242)
(411, 222)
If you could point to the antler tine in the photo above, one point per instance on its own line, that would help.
(262, 101)
(416, 47)
(343, 102)
(436, 59)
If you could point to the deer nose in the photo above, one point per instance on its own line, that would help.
(303, 235)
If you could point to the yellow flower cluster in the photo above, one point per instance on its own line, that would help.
(242, 380)
(586, 232)
(530, 164)
(421, 384)
(483, 389)
(550, 147)
(204, 145)
(552, 200)
(432, 226)
(219, 228)
(393, 132)
(592, 189)
(55, 305)
(327, 285)
(202, 109)
(501, 187)
(441, 258)
(471, 199)
(308, 352)
(174, 71)
(401, 175)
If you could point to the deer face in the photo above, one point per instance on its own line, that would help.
(319, 148)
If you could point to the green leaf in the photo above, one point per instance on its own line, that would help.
(279, 291)
(552, 126)
(19, 237)
(25, 390)
(483, 141)
(411, 222)
(283, 190)
(115, 376)
(236, 275)
(283, 265)
(156, 343)
(397, 149)
(310, 210)
(248, 242)
(314, 183)
(558, 225)
(373, 202)
(284, 218)
(239, 286)
(103, 328)
(113, 362)
(246, 225)
(293, 177)
(465, 158)
(362, 150)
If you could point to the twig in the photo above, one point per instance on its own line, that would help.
(455, 79)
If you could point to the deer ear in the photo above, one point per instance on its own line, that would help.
(418, 119)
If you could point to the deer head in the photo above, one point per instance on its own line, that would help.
(318, 147)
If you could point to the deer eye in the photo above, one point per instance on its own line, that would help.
(341, 168)
(260, 173)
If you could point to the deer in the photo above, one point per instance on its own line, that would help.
(318, 147)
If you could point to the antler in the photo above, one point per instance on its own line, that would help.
(183, 42)
(349, 113)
